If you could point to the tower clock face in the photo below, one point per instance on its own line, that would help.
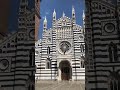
(32, 33)
(65, 46)
(109, 27)
(4, 64)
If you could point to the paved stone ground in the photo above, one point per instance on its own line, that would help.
(60, 85)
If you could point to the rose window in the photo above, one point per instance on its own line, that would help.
(65, 46)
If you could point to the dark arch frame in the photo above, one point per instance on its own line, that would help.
(66, 70)
(114, 81)
(112, 49)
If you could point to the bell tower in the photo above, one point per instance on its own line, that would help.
(4, 16)
(37, 18)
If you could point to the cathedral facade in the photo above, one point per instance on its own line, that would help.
(102, 64)
(17, 62)
(60, 53)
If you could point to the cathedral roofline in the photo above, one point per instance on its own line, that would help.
(64, 17)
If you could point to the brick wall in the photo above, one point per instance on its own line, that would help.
(37, 18)
(4, 14)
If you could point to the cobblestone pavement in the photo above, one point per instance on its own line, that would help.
(60, 85)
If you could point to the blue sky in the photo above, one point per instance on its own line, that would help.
(47, 7)
(13, 17)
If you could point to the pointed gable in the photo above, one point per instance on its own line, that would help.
(63, 21)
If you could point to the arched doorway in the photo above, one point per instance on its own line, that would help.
(114, 81)
(65, 70)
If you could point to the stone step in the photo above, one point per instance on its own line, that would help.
(60, 85)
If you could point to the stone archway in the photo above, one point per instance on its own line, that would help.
(66, 71)
(114, 81)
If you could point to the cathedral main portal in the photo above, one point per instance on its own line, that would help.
(65, 70)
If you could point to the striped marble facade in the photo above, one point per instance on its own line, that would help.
(102, 45)
(17, 58)
(49, 50)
